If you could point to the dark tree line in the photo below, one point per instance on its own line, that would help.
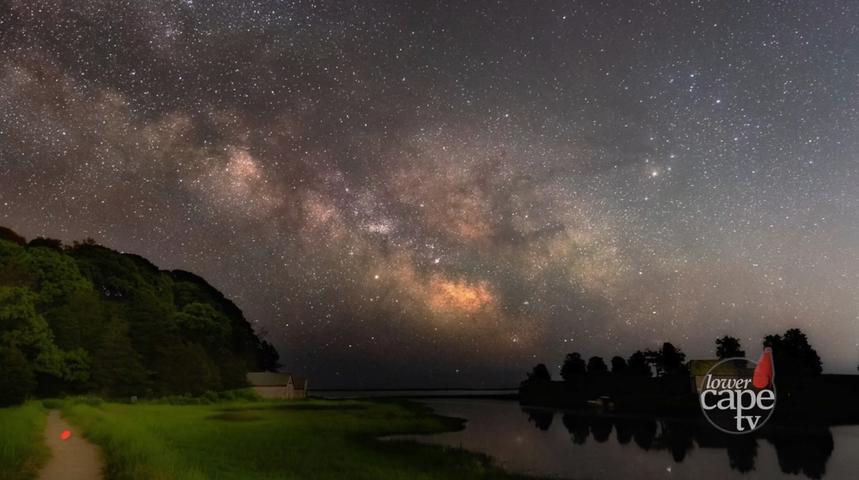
(793, 356)
(85, 318)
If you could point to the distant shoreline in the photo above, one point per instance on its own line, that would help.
(409, 389)
(509, 394)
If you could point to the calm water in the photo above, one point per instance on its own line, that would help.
(572, 445)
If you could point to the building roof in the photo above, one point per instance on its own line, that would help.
(269, 379)
(300, 383)
(701, 367)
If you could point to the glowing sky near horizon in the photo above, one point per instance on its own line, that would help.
(446, 193)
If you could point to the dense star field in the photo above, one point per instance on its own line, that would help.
(446, 193)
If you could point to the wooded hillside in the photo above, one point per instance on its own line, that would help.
(85, 318)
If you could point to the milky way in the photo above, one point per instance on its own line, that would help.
(445, 194)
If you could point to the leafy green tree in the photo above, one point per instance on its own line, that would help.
(85, 316)
(57, 275)
(28, 332)
(117, 369)
(79, 322)
(728, 347)
(574, 366)
(184, 369)
(201, 323)
(13, 270)
(17, 380)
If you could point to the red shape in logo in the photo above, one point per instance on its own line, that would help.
(764, 371)
(66, 435)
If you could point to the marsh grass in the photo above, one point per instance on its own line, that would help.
(307, 439)
(22, 444)
(234, 417)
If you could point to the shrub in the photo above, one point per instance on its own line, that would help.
(210, 396)
(52, 404)
(248, 394)
(91, 401)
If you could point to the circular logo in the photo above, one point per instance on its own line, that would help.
(737, 395)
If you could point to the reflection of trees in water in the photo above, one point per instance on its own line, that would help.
(806, 451)
(624, 431)
(601, 429)
(578, 427)
(676, 437)
(742, 451)
(802, 451)
(643, 433)
(642, 430)
(542, 418)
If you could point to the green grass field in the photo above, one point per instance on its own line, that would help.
(269, 440)
(22, 446)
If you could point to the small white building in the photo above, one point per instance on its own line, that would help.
(278, 385)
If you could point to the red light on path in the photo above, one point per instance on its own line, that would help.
(66, 435)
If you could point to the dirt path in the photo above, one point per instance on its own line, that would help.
(71, 459)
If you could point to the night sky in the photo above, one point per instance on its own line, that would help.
(413, 193)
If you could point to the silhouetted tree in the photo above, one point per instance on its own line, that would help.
(574, 365)
(618, 365)
(597, 366)
(793, 355)
(668, 360)
(51, 243)
(728, 347)
(10, 236)
(638, 365)
(87, 242)
(269, 358)
(538, 374)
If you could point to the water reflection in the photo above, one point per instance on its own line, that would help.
(541, 418)
(804, 451)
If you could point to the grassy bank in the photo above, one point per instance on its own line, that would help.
(22, 446)
(310, 439)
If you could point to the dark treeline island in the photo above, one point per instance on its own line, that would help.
(88, 319)
(661, 382)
